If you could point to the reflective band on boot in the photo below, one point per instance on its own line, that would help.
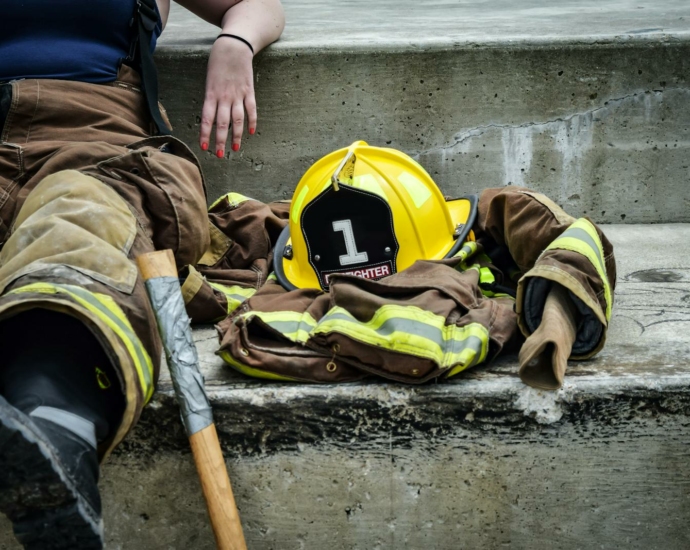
(76, 424)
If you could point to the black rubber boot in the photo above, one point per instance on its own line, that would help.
(48, 484)
(50, 386)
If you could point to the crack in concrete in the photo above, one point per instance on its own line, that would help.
(463, 136)
(200, 339)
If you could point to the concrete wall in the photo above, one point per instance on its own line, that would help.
(603, 129)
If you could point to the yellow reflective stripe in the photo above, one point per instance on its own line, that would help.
(463, 365)
(467, 250)
(114, 317)
(418, 191)
(581, 237)
(235, 199)
(251, 371)
(295, 326)
(490, 294)
(236, 291)
(297, 204)
(110, 313)
(404, 329)
(234, 295)
(42, 288)
(272, 277)
(413, 331)
(485, 276)
(368, 182)
(102, 379)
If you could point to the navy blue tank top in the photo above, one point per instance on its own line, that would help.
(65, 39)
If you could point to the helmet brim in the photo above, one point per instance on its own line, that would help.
(279, 259)
(458, 211)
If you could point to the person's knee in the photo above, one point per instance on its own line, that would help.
(73, 220)
(71, 190)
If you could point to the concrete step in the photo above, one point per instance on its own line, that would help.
(480, 462)
(583, 100)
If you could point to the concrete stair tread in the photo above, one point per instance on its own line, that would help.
(648, 344)
(320, 25)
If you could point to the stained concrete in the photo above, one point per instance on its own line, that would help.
(481, 462)
(585, 101)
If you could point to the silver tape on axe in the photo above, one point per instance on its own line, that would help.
(180, 351)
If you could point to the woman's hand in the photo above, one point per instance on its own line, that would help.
(229, 91)
(230, 77)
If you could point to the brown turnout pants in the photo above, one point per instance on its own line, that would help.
(84, 189)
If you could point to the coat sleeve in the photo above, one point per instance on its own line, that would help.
(237, 262)
(551, 247)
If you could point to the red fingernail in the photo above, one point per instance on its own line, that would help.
(252, 130)
(204, 146)
(235, 146)
(219, 153)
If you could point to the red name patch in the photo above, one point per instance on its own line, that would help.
(374, 273)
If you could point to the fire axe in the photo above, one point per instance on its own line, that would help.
(163, 287)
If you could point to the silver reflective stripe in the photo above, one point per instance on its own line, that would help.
(287, 327)
(431, 333)
(582, 235)
(76, 424)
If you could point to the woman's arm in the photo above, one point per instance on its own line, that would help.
(230, 76)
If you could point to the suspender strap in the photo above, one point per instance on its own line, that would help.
(146, 21)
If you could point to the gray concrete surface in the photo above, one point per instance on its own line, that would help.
(482, 462)
(385, 24)
(586, 101)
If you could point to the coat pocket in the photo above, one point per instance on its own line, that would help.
(72, 220)
(11, 172)
(163, 182)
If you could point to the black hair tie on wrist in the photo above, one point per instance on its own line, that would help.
(237, 38)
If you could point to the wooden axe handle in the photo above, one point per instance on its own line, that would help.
(215, 484)
(208, 455)
(157, 264)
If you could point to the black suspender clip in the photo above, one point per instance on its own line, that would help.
(146, 19)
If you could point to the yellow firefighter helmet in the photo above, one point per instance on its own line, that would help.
(369, 212)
